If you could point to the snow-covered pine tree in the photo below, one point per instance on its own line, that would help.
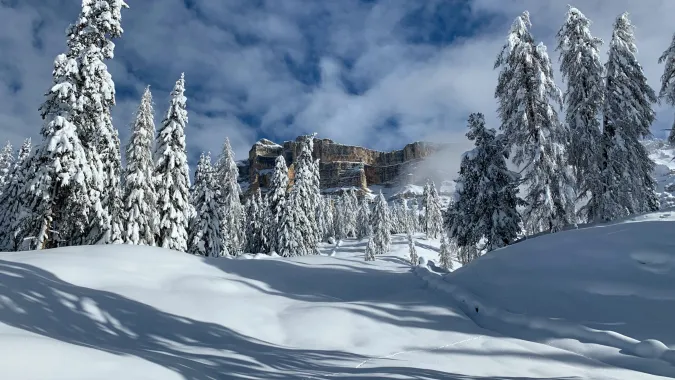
(459, 219)
(433, 218)
(445, 253)
(57, 196)
(11, 209)
(140, 200)
(414, 258)
(112, 194)
(265, 215)
(381, 228)
(229, 191)
(583, 71)
(6, 164)
(495, 216)
(297, 231)
(329, 219)
(276, 199)
(527, 94)
(171, 176)
(254, 215)
(341, 228)
(370, 250)
(205, 233)
(363, 227)
(352, 210)
(667, 91)
(90, 43)
(626, 169)
(412, 219)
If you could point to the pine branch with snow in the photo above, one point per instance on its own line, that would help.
(667, 91)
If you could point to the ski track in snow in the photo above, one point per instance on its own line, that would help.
(418, 350)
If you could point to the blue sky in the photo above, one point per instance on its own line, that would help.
(367, 72)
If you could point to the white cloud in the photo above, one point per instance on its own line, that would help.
(296, 60)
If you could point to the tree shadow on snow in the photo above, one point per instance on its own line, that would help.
(37, 301)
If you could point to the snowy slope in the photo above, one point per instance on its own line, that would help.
(122, 312)
(605, 292)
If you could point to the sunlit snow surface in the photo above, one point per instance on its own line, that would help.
(122, 312)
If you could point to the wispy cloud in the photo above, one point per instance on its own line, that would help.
(374, 73)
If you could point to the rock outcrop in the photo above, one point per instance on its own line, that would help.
(341, 166)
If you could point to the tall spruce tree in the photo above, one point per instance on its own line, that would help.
(12, 214)
(297, 230)
(444, 256)
(205, 232)
(140, 199)
(667, 91)
(495, 217)
(433, 218)
(172, 181)
(363, 227)
(527, 94)
(229, 192)
(626, 169)
(276, 199)
(66, 197)
(254, 226)
(329, 219)
(381, 226)
(582, 69)
(90, 38)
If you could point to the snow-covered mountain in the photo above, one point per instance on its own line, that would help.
(580, 304)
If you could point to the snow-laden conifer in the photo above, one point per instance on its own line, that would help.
(527, 96)
(329, 219)
(58, 198)
(140, 200)
(496, 217)
(265, 216)
(6, 164)
(234, 216)
(667, 91)
(276, 199)
(171, 176)
(445, 253)
(433, 218)
(626, 169)
(381, 228)
(363, 227)
(12, 214)
(414, 258)
(205, 233)
(582, 69)
(370, 250)
(297, 230)
(254, 223)
(412, 219)
(90, 43)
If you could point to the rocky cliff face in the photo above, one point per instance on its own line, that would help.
(341, 166)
